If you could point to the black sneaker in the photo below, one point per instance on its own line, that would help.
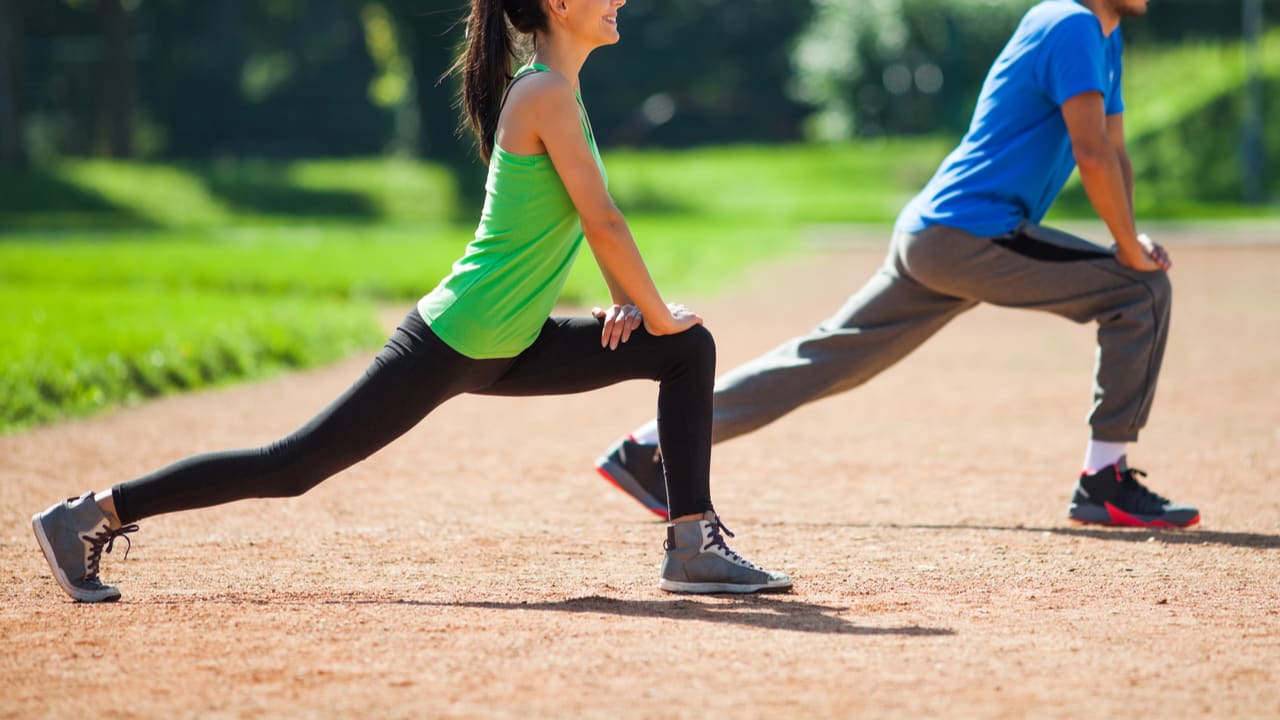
(636, 470)
(1113, 496)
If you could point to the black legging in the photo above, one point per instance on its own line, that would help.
(414, 373)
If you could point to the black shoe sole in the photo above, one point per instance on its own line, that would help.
(1108, 514)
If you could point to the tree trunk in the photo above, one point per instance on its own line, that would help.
(115, 128)
(430, 41)
(12, 151)
(1253, 140)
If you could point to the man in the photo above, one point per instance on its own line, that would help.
(1050, 103)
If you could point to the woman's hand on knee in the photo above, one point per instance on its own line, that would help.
(681, 318)
(619, 322)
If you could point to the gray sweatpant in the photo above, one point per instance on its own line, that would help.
(931, 277)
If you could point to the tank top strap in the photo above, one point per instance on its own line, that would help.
(532, 68)
(524, 71)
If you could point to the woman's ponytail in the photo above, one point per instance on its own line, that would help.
(485, 61)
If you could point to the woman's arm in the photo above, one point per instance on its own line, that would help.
(543, 110)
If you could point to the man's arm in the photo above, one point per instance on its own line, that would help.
(1115, 133)
(1106, 174)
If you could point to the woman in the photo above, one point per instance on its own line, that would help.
(485, 328)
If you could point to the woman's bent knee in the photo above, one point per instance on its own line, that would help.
(693, 348)
(697, 343)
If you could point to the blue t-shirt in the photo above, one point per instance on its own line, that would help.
(1016, 156)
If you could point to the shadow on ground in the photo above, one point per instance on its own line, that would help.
(1134, 535)
(770, 613)
(751, 610)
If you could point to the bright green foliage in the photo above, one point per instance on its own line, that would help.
(702, 217)
(373, 261)
(842, 59)
(1187, 106)
(798, 184)
(1184, 107)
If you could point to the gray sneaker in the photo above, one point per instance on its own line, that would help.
(73, 535)
(699, 561)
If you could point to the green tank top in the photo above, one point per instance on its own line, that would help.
(504, 287)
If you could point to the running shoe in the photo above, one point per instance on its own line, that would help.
(1114, 496)
(699, 561)
(73, 535)
(636, 470)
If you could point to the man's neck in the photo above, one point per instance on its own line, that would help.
(1107, 15)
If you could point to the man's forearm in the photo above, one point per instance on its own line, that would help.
(1126, 172)
(1110, 191)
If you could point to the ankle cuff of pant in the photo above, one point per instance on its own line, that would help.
(1114, 436)
(678, 509)
(122, 507)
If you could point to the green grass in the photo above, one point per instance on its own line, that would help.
(76, 194)
(685, 254)
(373, 261)
(103, 317)
(93, 321)
(793, 185)
(68, 352)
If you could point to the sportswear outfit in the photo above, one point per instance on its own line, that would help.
(485, 329)
(972, 235)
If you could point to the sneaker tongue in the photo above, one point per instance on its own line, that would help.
(1123, 463)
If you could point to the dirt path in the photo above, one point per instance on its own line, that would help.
(479, 568)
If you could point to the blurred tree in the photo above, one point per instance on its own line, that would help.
(115, 119)
(11, 78)
(1186, 20)
(914, 66)
(685, 72)
(898, 66)
(430, 35)
(288, 78)
(62, 84)
(188, 79)
(272, 78)
(698, 71)
(393, 87)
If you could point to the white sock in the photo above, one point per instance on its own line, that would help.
(1101, 454)
(646, 434)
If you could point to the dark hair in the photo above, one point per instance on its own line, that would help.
(485, 61)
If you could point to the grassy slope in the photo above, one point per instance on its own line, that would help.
(1184, 110)
(194, 274)
(72, 352)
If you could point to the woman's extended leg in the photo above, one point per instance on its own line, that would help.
(413, 374)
